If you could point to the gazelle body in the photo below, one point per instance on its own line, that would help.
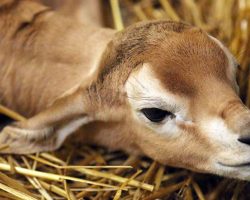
(160, 88)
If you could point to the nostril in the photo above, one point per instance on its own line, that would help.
(245, 140)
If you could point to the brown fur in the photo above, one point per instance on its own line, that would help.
(49, 44)
(46, 59)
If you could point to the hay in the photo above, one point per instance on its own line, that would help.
(95, 173)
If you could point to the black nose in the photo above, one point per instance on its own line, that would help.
(245, 140)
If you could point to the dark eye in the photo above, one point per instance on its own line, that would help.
(155, 114)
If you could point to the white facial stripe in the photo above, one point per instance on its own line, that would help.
(217, 131)
(145, 91)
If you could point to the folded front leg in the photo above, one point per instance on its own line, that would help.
(22, 141)
(47, 130)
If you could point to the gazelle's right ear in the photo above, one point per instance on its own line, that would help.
(48, 129)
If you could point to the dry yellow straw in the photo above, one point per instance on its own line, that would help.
(116, 15)
(77, 167)
(50, 176)
(110, 176)
(16, 193)
(35, 182)
(169, 10)
(159, 177)
(11, 113)
(54, 189)
(198, 191)
(119, 192)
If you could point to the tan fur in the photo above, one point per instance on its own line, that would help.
(50, 45)
(57, 70)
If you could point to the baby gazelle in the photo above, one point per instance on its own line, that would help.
(163, 89)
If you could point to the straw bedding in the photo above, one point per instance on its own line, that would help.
(86, 172)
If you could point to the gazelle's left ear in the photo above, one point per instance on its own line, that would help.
(47, 130)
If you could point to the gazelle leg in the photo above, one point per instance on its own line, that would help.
(47, 130)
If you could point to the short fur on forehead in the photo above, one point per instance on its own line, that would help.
(185, 59)
(127, 50)
(135, 42)
(169, 47)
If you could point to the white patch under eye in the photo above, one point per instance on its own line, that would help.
(145, 91)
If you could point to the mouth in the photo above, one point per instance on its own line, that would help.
(237, 170)
(245, 164)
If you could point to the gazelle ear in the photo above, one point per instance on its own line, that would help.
(47, 130)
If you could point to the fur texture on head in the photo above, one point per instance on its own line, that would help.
(160, 88)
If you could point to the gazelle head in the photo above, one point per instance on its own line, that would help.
(171, 88)
(175, 86)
